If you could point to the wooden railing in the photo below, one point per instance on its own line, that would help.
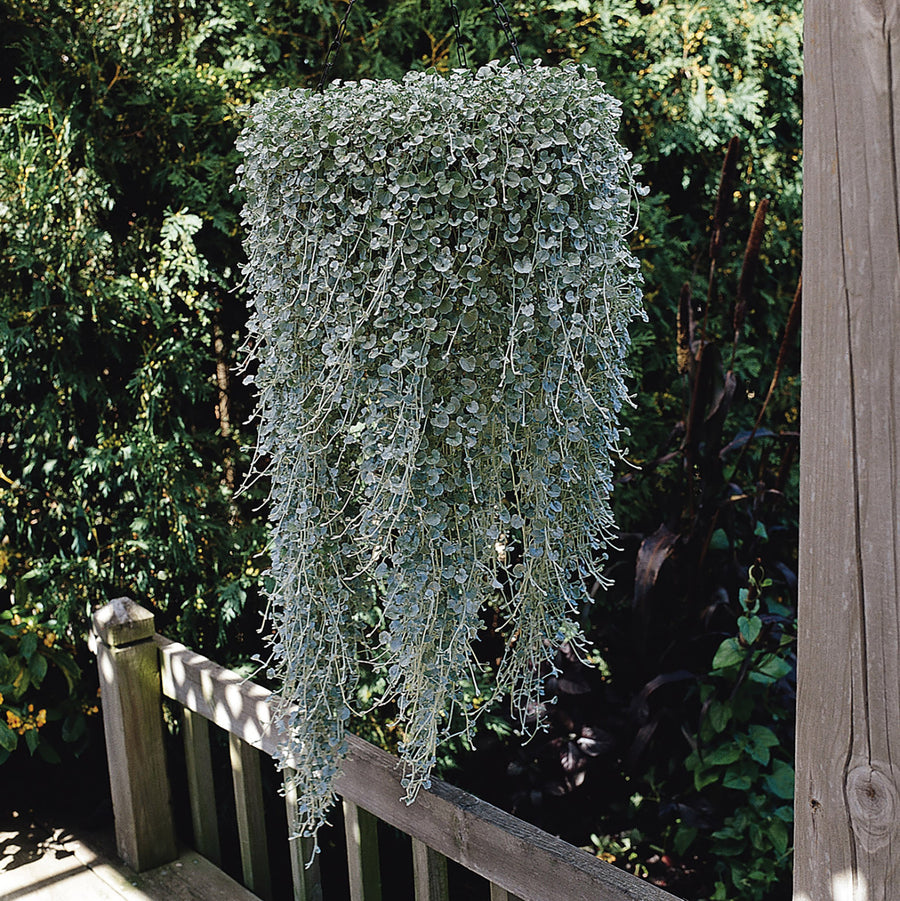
(137, 667)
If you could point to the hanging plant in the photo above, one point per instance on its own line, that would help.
(442, 288)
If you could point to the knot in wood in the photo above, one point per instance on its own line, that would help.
(874, 809)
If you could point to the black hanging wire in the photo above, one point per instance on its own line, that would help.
(460, 50)
(335, 47)
(506, 25)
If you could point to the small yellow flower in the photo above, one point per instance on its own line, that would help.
(1, 697)
(41, 718)
(12, 720)
(49, 638)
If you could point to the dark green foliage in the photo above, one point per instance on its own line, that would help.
(46, 699)
(118, 261)
(741, 761)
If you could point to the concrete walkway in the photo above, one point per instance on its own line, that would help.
(38, 863)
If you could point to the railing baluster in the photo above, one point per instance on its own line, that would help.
(481, 838)
(429, 873)
(248, 799)
(307, 879)
(361, 828)
(501, 894)
(201, 789)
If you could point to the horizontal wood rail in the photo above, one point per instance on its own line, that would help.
(519, 860)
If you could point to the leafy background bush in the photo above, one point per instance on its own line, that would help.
(45, 697)
(121, 425)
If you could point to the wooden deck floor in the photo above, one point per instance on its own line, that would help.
(39, 863)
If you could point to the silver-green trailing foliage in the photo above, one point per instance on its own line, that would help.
(442, 288)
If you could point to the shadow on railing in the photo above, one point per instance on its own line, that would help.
(138, 668)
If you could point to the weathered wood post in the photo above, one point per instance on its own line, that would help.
(848, 706)
(130, 693)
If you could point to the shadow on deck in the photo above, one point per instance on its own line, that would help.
(38, 863)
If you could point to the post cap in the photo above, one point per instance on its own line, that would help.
(122, 622)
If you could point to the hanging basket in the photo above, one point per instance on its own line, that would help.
(442, 288)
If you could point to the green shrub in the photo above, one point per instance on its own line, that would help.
(118, 328)
(738, 754)
(44, 699)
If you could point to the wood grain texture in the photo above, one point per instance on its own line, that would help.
(363, 866)
(133, 729)
(517, 857)
(504, 850)
(201, 787)
(429, 873)
(848, 704)
(251, 821)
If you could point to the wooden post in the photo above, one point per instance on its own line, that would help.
(132, 722)
(847, 828)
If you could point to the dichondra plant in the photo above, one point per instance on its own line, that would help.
(442, 287)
